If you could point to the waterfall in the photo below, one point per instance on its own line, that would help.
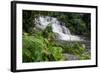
(57, 27)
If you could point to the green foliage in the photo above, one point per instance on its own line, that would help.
(36, 49)
(32, 47)
(85, 56)
(77, 49)
(56, 53)
(47, 32)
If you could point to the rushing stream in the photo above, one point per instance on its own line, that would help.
(63, 32)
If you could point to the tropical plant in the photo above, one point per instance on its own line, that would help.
(38, 48)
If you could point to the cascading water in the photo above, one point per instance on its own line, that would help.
(63, 32)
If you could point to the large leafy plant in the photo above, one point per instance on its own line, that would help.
(41, 47)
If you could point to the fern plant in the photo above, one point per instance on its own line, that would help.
(38, 48)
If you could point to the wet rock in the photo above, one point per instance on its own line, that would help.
(70, 57)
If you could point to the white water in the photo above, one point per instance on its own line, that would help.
(58, 27)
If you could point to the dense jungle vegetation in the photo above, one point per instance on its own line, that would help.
(41, 45)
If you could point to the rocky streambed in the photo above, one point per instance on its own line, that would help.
(70, 56)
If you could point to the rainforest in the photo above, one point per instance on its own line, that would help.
(55, 36)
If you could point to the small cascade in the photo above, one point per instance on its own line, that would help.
(57, 27)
